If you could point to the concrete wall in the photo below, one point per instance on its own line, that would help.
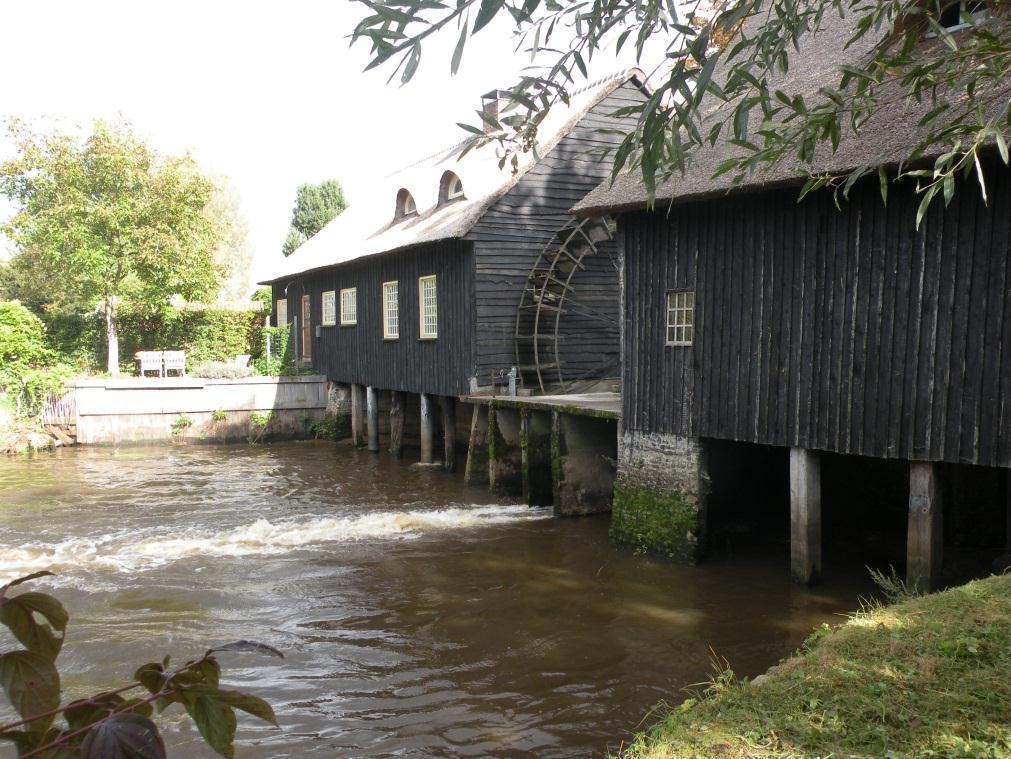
(660, 494)
(116, 411)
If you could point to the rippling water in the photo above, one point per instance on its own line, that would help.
(419, 617)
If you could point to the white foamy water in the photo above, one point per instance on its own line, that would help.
(137, 552)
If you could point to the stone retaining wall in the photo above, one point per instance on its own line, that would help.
(152, 410)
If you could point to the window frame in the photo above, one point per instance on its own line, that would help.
(277, 312)
(344, 321)
(422, 334)
(387, 333)
(332, 322)
(673, 308)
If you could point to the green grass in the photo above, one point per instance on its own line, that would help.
(929, 677)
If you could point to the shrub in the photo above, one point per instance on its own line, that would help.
(282, 352)
(22, 341)
(218, 415)
(221, 370)
(332, 427)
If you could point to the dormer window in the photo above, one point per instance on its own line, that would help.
(963, 14)
(450, 187)
(405, 205)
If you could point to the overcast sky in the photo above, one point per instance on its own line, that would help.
(268, 94)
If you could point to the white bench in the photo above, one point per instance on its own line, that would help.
(174, 361)
(149, 361)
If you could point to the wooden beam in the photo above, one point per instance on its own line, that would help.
(476, 470)
(805, 516)
(397, 424)
(924, 537)
(358, 415)
(449, 432)
(372, 418)
(427, 428)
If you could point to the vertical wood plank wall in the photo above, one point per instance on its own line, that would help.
(516, 228)
(840, 330)
(359, 354)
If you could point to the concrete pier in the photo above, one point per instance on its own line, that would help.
(427, 428)
(584, 452)
(476, 469)
(372, 418)
(535, 444)
(505, 457)
(358, 415)
(924, 538)
(805, 516)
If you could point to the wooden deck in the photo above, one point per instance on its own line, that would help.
(604, 405)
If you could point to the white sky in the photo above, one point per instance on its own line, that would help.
(268, 94)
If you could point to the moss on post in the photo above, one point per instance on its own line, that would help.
(666, 523)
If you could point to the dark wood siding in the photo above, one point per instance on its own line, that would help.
(359, 354)
(515, 229)
(840, 330)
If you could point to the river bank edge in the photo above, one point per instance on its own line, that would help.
(922, 677)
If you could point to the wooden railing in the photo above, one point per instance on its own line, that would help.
(60, 408)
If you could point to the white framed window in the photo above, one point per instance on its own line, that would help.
(450, 187)
(680, 317)
(391, 311)
(329, 308)
(428, 307)
(349, 306)
(405, 204)
(281, 312)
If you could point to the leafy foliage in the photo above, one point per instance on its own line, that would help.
(221, 370)
(104, 219)
(29, 369)
(108, 724)
(717, 83)
(281, 352)
(315, 206)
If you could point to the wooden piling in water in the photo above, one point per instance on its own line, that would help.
(449, 433)
(397, 424)
(805, 516)
(427, 428)
(358, 415)
(372, 418)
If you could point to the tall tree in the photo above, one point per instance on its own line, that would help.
(233, 254)
(103, 218)
(315, 206)
(944, 65)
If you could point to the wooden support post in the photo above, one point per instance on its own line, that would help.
(805, 516)
(449, 432)
(476, 470)
(1007, 506)
(397, 424)
(427, 428)
(358, 415)
(924, 538)
(372, 418)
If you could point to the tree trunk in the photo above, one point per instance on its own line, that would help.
(112, 336)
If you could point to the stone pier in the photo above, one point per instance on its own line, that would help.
(397, 424)
(660, 494)
(427, 428)
(449, 433)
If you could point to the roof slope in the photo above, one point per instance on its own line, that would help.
(886, 138)
(368, 228)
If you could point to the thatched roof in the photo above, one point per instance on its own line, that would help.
(887, 138)
(368, 227)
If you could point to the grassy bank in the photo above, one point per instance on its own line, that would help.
(927, 677)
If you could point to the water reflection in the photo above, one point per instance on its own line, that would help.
(418, 616)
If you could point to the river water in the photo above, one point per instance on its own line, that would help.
(418, 617)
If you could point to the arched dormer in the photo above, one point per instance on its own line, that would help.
(450, 188)
(405, 205)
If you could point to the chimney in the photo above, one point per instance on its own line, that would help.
(493, 104)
